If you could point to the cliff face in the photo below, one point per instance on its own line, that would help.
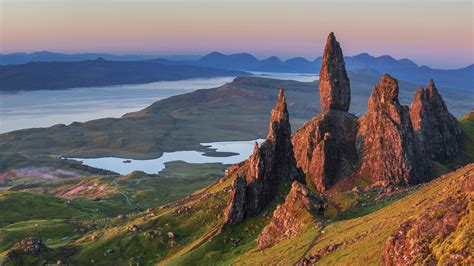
(325, 145)
(269, 165)
(437, 129)
(391, 151)
(325, 148)
(300, 209)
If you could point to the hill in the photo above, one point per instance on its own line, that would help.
(46, 56)
(99, 72)
(404, 69)
(349, 235)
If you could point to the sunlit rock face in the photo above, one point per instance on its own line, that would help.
(300, 209)
(325, 145)
(269, 165)
(334, 86)
(438, 130)
(391, 151)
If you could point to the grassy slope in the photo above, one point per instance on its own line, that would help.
(195, 242)
(195, 225)
(467, 124)
(26, 214)
(369, 231)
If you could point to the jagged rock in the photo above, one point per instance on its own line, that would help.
(437, 129)
(257, 179)
(435, 237)
(325, 148)
(391, 152)
(289, 218)
(30, 245)
(334, 86)
(235, 210)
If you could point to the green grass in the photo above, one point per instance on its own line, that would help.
(20, 206)
(369, 232)
(55, 232)
(467, 125)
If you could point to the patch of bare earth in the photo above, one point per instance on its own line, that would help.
(92, 190)
(48, 173)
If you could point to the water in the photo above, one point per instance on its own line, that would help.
(152, 166)
(27, 109)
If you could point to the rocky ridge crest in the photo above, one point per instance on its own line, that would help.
(270, 165)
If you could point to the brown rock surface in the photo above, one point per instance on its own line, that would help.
(325, 148)
(391, 152)
(325, 145)
(258, 178)
(289, 218)
(436, 236)
(334, 86)
(437, 129)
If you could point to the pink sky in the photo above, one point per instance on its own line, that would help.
(436, 33)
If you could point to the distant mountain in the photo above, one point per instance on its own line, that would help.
(99, 72)
(233, 61)
(462, 78)
(45, 56)
(363, 63)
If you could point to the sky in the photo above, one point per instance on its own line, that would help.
(437, 33)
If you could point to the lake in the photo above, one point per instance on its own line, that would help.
(27, 109)
(153, 166)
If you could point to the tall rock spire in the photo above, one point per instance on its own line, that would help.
(325, 145)
(279, 120)
(334, 86)
(437, 130)
(391, 151)
(270, 165)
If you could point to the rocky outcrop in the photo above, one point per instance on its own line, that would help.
(325, 148)
(300, 209)
(258, 178)
(391, 152)
(334, 86)
(437, 129)
(438, 236)
(29, 245)
(325, 145)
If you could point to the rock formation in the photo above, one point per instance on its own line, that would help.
(29, 245)
(437, 236)
(299, 210)
(325, 148)
(437, 129)
(325, 145)
(258, 178)
(391, 151)
(334, 86)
